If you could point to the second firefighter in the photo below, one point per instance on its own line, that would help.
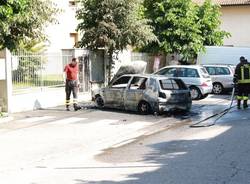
(242, 81)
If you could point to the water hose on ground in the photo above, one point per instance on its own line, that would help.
(219, 114)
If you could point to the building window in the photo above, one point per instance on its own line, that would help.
(72, 3)
(74, 38)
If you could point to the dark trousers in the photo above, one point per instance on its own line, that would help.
(243, 91)
(71, 86)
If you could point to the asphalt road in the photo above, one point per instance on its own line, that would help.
(218, 154)
(93, 146)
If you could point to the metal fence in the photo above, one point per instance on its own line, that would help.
(31, 70)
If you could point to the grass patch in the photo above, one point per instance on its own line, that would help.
(47, 80)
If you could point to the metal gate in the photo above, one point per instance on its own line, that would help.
(84, 73)
(32, 71)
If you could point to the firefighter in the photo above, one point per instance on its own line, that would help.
(71, 83)
(242, 79)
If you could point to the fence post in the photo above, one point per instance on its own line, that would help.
(41, 74)
(6, 81)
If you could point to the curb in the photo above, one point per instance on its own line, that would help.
(6, 119)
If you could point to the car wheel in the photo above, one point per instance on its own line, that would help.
(195, 93)
(144, 107)
(99, 102)
(217, 88)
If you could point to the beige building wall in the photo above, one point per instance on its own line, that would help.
(236, 20)
(61, 35)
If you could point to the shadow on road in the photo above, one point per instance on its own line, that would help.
(212, 155)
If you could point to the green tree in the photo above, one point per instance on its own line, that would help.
(176, 27)
(23, 21)
(112, 25)
(183, 27)
(209, 21)
(22, 24)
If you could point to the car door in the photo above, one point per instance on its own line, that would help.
(223, 76)
(114, 94)
(134, 93)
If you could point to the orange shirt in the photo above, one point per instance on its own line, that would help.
(71, 72)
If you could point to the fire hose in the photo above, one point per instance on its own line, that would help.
(217, 116)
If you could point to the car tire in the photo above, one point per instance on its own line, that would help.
(204, 96)
(99, 102)
(195, 93)
(217, 88)
(144, 108)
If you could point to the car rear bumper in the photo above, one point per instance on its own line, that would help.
(166, 107)
(206, 90)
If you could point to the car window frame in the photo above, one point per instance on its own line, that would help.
(152, 84)
(167, 69)
(111, 86)
(197, 75)
(226, 68)
(174, 82)
(204, 72)
(210, 67)
(140, 86)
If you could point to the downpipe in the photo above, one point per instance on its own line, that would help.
(219, 114)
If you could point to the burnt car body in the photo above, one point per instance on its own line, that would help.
(144, 93)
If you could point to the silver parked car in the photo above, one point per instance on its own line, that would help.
(194, 76)
(222, 77)
(144, 93)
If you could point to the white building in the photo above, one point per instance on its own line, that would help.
(235, 16)
(63, 35)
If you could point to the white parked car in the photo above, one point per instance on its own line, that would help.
(222, 77)
(194, 76)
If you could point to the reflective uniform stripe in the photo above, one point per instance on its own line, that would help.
(75, 101)
(242, 97)
(245, 97)
(248, 70)
(242, 73)
(239, 97)
(244, 81)
(67, 102)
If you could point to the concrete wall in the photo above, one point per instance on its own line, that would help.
(42, 99)
(223, 55)
(29, 99)
(2, 96)
(235, 19)
(5, 81)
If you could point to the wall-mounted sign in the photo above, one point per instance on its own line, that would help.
(2, 69)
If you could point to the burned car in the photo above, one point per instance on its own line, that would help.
(145, 94)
